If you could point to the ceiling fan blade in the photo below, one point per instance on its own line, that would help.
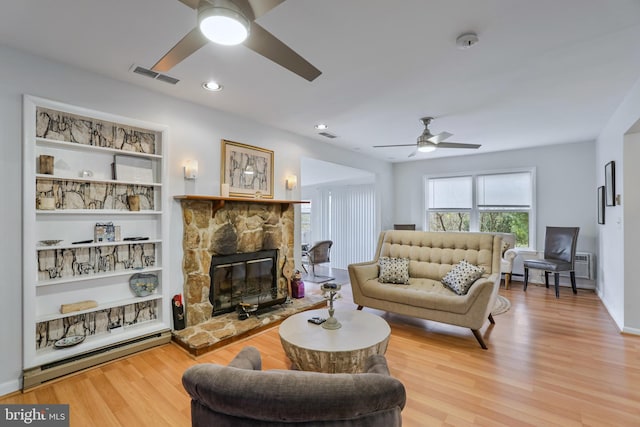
(260, 7)
(193, 4)
(436, 139)
(413, 153)
(190, 43)
(395, 145)
(457, 145)
(266, 44)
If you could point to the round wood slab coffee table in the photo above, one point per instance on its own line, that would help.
(311, 347)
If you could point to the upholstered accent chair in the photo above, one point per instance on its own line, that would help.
(241, 394)
(559, 255)
(508, 255)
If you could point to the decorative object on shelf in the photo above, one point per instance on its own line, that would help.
(601, 204)
(134, 202)
(247, 169)
(49, 242)
(133, 169)
(104, 232)
(46, 203)
(610, 183)
(46, 164)
(330, 292)
(143, 284)
(78, 306)
(69, 341)
(85, 173)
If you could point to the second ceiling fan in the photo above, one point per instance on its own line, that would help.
(429, 142)
(240, 15)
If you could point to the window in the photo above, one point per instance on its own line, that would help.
(488, 202)
(305, 222)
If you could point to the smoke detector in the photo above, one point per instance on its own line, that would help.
(466, 40)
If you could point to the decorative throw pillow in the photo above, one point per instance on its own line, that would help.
(460, 278)
(394, 270)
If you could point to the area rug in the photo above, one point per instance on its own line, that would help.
(502, 306)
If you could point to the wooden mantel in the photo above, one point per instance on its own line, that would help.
(219, 201)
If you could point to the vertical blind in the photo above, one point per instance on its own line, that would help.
(347, 216)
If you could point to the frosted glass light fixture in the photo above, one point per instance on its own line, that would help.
(222, 22)
(191, 169)
(291, 182)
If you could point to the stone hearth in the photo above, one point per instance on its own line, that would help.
(214, 226)
(226, 328)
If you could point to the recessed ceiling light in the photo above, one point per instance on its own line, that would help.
(212, 86)
(321, 126)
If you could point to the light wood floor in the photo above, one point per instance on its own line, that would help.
(550, 363)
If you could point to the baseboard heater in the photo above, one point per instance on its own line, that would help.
(35, 376)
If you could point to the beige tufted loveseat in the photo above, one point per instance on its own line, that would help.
(432, 255)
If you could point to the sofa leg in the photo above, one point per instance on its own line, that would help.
(493, 322)
(478, 336)
(359, 307)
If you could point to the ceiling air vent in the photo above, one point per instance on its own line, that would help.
(327, 135)
(152, 74)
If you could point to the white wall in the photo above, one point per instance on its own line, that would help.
(620, 237)
(565, 187)
(194, 133)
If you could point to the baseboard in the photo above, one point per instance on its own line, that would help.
(631, 331)
(41, 374)
(9, 387)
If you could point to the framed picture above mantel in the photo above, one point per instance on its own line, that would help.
(248, 170)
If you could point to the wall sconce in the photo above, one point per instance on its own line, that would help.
(191, 169)
(291, 182)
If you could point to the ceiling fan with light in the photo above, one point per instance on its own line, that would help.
(428, 142)
(231, 22)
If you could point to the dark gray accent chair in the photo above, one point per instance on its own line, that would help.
(559, 255)
(241, 394)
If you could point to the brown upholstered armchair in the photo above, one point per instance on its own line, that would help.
(241, 394)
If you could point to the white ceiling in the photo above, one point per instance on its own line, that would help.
(544, 71)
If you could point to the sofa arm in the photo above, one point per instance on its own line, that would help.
(510, 255)
(376, 364)
(247, 358)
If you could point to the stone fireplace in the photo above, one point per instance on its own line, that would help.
(227, 229)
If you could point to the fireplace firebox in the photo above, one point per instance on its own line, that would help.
(248, 279)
